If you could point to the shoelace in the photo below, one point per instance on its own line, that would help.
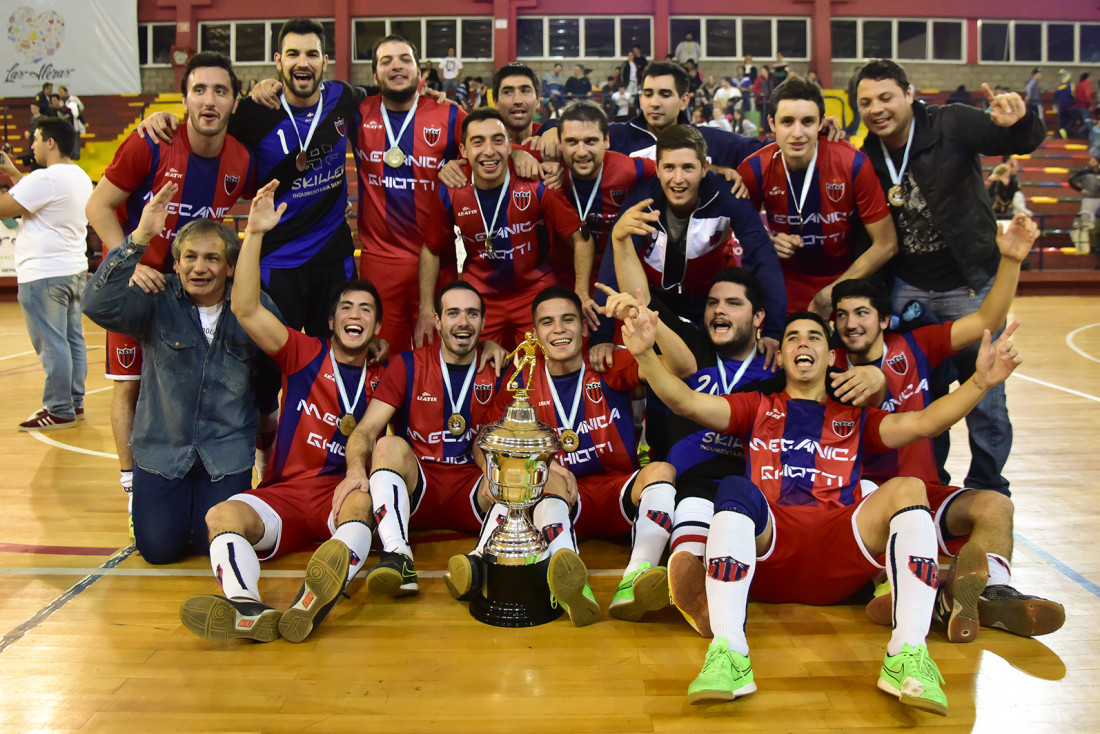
(927, 666)
(715, 659)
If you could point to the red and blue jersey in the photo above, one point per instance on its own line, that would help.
(844, 187)
(395, 203)
(208, 187)
(907, 362)
(604, 422)
(804, 453)
(413, 384)
(309, 442)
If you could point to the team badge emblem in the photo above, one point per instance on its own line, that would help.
(522, 199)
(925, 569)
(726, 568)
(843, 429)
(835, 191)
(230, 183)
(618, 196)
(661, 519)
(594, 392)
(482, 393)
(551, 531)
(126, 356)
(431, 135)
(374, 385)
(341, 126)
(898, 364)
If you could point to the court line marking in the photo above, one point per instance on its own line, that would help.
(39, 436)
(205, 572)
(1070, 337)
(1052, 386)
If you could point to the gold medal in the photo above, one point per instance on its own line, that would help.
(394, 157)
(456, 424)
(570, 441)
(895, 196)
(347, 424)
(301, 161)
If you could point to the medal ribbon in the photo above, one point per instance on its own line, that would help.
(568, 422)
(408, 118)
(489, 229)
(728, 386)
(456, 406)
(896, 175)
(801, 202)
(349, 408)
(591, 197)
(312, 126)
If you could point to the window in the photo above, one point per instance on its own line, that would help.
(249, 39)
(215, 37)
(529, 40)
(634, 32)
(792, 39)
(441, 34)
(155, 42)
(592, 37)
(732, 37)
(756, 37)
(845, 39)
(912, 39)
(1090, 44)
(877, 39)
(721, 38)
(471, 38)
(909, 39)
(599, 36)
(1060, 42)
(565, 37)
(1027, 42)
(947, 40)
(994, 40)
(253, 42)
(1034, 42)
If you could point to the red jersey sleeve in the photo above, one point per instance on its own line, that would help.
(439, 230)
(298, 351)
(131, 163)
(935, 341)
(748, 177)
(870, 201)
(559, 214)
(872, 439)
(391, 388)
(623, 375)
(649, 168)
(743, 407)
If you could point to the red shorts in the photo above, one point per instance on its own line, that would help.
(398, 284)
(448, 498)
(816, 557)
(508, 315)
(600, 505)
(938, 499)
(123, 357)
(300, 511)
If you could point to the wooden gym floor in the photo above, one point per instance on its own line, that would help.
(92, 639)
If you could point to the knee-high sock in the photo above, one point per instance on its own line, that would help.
(652, 526)
(1000, 570)
(494, 517)
(912, 564)
(731, 563)
(355, 534)
(551, 518)
(390, 498)
(691, 524)
(236, 566)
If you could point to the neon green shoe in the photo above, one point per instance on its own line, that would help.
(725, 676)
(643, 590)
(567, 577)
(913, 677)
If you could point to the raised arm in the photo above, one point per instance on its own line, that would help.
(675, 354)
(264, 327)
(637, 220)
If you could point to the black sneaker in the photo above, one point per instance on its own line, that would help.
(1005, 608)
(219, 619)
(395, 575)
(465, 576)
(326, 576)
(957, 600)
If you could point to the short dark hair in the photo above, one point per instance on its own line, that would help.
(303, 27)
(873, 291)
(481, 113)
(807, 316)
(457, 285)
(584, 110)
(878, 70)
(392, 37)
(753, 290)
(58, 130)
(798, 88)
(552, 292)
(669, 68)
(47, 85)
(677, 137)
(355, 284)
(514, 68)
(215, 227)
(203, 59)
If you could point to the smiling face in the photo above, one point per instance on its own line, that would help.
(660, 102)
(560, 329)
(203, 268)
(355, 322)
(804, 353)
(797, 123)
(300, 64)
(680, 172)
(487, 148)
(210, 100)
(582, 148)
(860, 328)
(729, 319)
(459, 323)
(395, 71)
(886, 108)
(517, 101)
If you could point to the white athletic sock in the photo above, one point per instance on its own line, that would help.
(912, 564)
(126, 479)
(551, 518)
(390, 498)
(731, 563)
(355, 534)
(691, 524)
(236, 566)
(493, 518)
(1000, 570)
(653, 525)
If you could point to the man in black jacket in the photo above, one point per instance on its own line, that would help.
(927, 159)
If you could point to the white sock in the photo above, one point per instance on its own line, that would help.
(691, 524)
(493, 518)
(126, 479)
(355, 534)
(1000, 570)
(390, 498)
(551, 518)
(912, 564)
(731, 563)
(236, 566)
(653, 525)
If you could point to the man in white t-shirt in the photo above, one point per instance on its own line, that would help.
(451, 69)
(51, 267)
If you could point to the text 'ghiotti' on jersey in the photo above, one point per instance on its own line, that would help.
(396, 203)
(413, 384)
(603, 423)
(208, 187)
(314, 227)
(802, 453)
(908, 360)
(309, 442)
(843, 193)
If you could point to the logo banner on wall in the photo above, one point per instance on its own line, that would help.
(89, 46)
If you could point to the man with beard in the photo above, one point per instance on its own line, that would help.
(327, 385)
(211, 170)
(438, 398)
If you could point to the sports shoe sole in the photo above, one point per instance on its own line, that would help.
(650, 594)
(566, 577)
(48, 427)
(687, 584)
(916, 702)
(326, 575)
(1024, 617)
(880, 610)
(968, 577)
(459, 578)
(214, 618)
(718, 695)
(385, 581)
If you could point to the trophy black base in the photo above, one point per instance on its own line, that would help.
(515, 596)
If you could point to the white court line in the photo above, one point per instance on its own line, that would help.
(39, 436)
(1057, 387)
(1071, 345)
(195, 572)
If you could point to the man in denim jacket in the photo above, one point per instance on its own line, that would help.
(204, 380)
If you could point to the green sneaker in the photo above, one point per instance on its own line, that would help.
(914, 678)
(567, 577)
(725, 676)
(643, 590)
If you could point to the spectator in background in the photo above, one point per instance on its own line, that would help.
(718, 119)
(553, 87)
(727, 95)
(853, 126)
(960, 96)
(695, 79)
(578, 86)
(811, 77)
(622, 101)
(1034, 93)
(750, 69)
(630, 73)
(1004, 190)
(779, 71)
(762, 91)
(79, 124)
(743, 126)
(42, 100)
(1094, 134)
(60, 110)
(451, 66)
(687, 49)
(697, 117)
(430, 76)
(1087, 181)
(704, 95)
(1069, 116)
(1085, 96)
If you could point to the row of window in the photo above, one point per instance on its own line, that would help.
(730, 37)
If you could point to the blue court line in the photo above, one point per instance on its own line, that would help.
(67, 596)
(1062, 568)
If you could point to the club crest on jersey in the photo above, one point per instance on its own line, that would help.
(726, 568)
(843, 429)
(925, 569)
(618, 196)
(374, 385)
(594, 392)
(661, 519)
(522, 199)
(835, 191)
(341, 126)
(899, 364)
(482, 393)
(431, 135)
(230, 183)
(551, 531)
(126, 356)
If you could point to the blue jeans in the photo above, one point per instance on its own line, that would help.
(988, 424)
(51, 308)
